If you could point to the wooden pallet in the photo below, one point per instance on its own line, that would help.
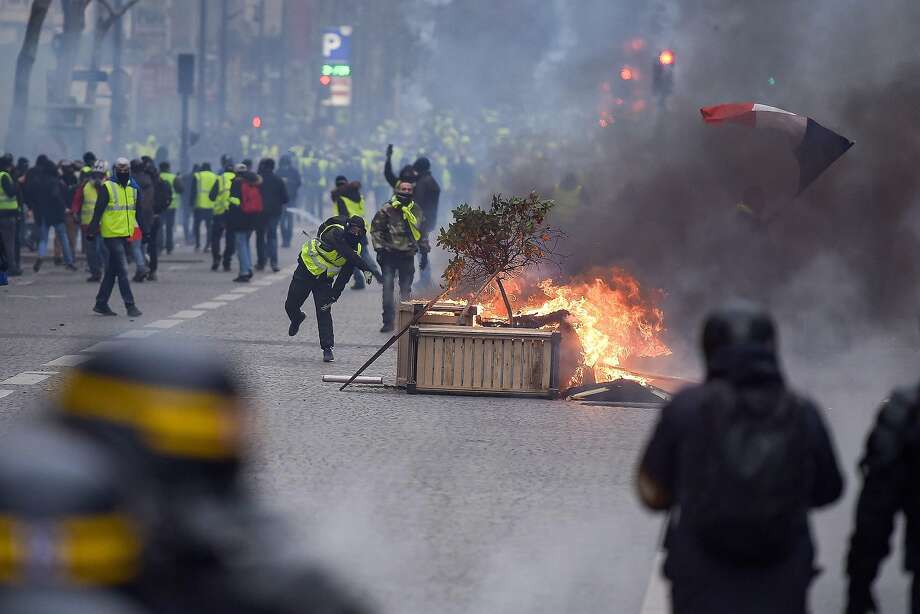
(483, 361)
(446, 314)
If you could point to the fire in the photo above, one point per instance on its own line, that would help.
(609, 313)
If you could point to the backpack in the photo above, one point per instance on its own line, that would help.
(251, 201)
(745, 476)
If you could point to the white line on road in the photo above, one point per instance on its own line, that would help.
(104, 346)
(165, 323)
(245, 290)
(209, 305)
(263, 282)
(178, 267)
(5, 393)
(227, 297)
(187, 314)
(68, 360)
(656, 594)
(137, 334)
(27, 378)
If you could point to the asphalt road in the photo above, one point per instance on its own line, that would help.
(429, 504)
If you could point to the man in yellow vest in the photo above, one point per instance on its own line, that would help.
(202, 182)
(83, 207)
(169, 216)
(220, 194)
(115, 218)
(9, 214)
(334, 254)
(397, 235)
(348, 201)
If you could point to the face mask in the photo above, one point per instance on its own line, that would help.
(122, 177)
(403, 198)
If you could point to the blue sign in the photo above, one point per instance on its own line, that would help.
(337, 44)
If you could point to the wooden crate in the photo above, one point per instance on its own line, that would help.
(484, 361)
(446, 314)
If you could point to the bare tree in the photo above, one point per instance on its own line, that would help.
(104, 23)
(69, 46)
(24, 63)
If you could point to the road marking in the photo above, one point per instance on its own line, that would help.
(68, 360)
(263, 282)
(137, 334)
(37, 298)
(656, 594)
(227, 297)
(27, 378)
(6, 393)
(209, 305)
(245, 290)
(165, 323)
(187, 314)
(178, 267)
(104, 346)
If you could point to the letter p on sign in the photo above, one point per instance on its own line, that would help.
(331, 42)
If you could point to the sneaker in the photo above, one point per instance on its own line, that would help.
(295, 325)
(133, 311)
(215, 265)
(328, 356)
(37, 265)
(227, 268)
(260, 267)
(70, 268)
(139, 277)
(93, 278)
(104, 310)
(387, 328)
(275, 268)
(152, 276)
(242, 279)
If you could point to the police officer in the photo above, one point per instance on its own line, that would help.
(220, 194)
(889, 468)
(334, 254)
(202, 182)
(115, 218)
(347, 200)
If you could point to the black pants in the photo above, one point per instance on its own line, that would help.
(287, 227)
(169, 222)
(152, 238)
(8, 242)
(302, 284)
(261, 244)
(219, 230)
(117, 266)
(202, 216)
(391, 265)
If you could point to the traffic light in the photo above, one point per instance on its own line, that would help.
(256, 121)
(325, 80)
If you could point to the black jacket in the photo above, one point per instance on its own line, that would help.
(236, 219)
(427, 195)
(700, 583)
(46, 193)
(292, 180)
(274, 194)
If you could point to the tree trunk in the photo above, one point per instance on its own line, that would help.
(501, 289)
(24, 63)
(69, 48)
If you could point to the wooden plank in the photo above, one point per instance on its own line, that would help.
(547, 364)
(459, 352)
(421, 359)
(537, 368)
(437, 362)
(507, 363)
(469, 353)
(516, 360)
(526, 376)
(484, 331)
(488, 346)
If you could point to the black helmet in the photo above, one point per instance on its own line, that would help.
(737, 330)
(173, 410)
(69, 495)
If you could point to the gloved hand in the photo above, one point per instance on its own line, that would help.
(860, 599)
(390, 150)
(91, 232)
(423, 261)
(368, 276)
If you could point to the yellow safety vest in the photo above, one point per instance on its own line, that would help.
(7, 203)
(222, 204)
(205, 180)
(354, 208)
(321, 261)
(170, 178)
(408, 212)
(90, 196)
(119, 218)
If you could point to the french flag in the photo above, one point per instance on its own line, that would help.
(815, 147)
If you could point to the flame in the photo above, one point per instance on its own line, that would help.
(611, 316)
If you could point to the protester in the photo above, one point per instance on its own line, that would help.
(274, 199)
